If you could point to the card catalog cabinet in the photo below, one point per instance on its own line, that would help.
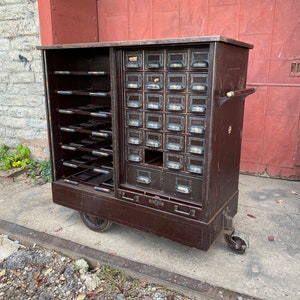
(148, 134)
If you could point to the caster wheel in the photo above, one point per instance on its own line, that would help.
(237, 243)
(95, 223)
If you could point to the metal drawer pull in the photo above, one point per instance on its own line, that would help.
(71, 181)
(153, 143)
(134, 199)
(100, 94)
(175, 107)
(153, 86)
(199, 87)
(175, 86)
(174, 146)
(96, 133)
(143, 179)
(183, 189)
(174, 165)
(174, 127)
(66, 111)
(153, 125)
(197, 129)
(99, 153)
(134, 123)
(66, 164)
(67, 129)
(66, 147)
(101, 189)
(153, 65)
(175, 65)
(62, 72)
(97, 73)
(151, 105)
(99, 114)
(198, 108)
(191, 213)
(134, 141)
(196, 149)
(101, 171)
(134, 157)
(200, 64)
(64, 92)
(156, 202)
(195, 169)
(134, 104)
(133, 85)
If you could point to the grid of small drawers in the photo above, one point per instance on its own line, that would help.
(165, 94)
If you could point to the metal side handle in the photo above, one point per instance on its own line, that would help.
(243, 93)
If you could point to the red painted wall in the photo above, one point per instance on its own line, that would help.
(271, 141)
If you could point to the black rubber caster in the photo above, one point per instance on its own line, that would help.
(95, 223)
(235, 242)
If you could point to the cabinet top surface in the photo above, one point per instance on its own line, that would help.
(169, 41)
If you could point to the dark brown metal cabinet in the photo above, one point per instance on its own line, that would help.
(148, 134)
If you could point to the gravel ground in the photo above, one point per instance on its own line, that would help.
(43, 274)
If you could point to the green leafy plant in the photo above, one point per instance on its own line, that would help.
(15, 158)
(40, 171)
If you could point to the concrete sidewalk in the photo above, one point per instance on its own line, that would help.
(268, 269)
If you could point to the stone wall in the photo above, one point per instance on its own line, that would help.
(22, 104)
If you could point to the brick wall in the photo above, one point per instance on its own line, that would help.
(22, 108)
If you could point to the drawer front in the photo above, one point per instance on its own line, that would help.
(197, 104)
(175, 123)
(199, 59)
(134, 137)
(183, 187)
(153, 121)
(133, 80)
(198, 82)
(176, 82)
(196, 126)
(134, 100)
(174, 161)
(177, 59)
(175, 103)
(133, 60)
(153, 101)
(153, 140)
(134, 119)
(135, 154)
(161, 203)
(195, 145)
(154, 60)
(144, 176)
(174, 143)
(154, 81)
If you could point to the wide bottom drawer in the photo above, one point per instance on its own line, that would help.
(161, 203)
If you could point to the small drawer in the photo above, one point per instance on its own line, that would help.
(183, 187)
(133, 80)
(174, 161)
(199, 59)
(194, 164)
(154, 81)
(154, 101)
(134, 137)
(134, 154)
(175, 123)
(176, 82)
(198, 82)
(154, 60)
(175, 103)
(177, 60)
(195, 145)
(153, 121)
(134, 118)
(133, 60)
(153, 139)
(134, 100)
(196, 126)
(197, 104)
(144, 176)
(174, 143)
